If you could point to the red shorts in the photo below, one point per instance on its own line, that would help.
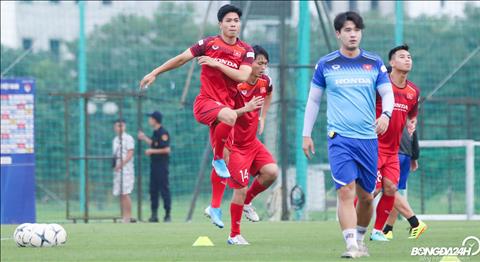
(388, 167)
(245, 162)
(205, 110)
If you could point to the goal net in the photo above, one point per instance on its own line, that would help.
(444, 188)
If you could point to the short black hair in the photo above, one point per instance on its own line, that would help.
(120, 120)
(341, 18)
(260, 51)
(224, 10)
(389, 69)
(395, 49)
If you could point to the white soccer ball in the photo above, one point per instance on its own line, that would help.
(19, 235)
(42, 236)
(60, 234)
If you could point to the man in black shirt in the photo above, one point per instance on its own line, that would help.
(159, 153)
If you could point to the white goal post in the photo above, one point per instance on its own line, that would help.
(469, 146)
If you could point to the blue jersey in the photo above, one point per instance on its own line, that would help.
(351, 85)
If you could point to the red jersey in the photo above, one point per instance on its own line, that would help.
(215, 84)
(246, 126)
(406, 104)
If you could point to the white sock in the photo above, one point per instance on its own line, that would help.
(361, 233)
(350, 236)
(376, 230)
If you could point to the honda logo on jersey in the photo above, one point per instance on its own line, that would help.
(215, 47)
(226, 62)
(237, 53)
(350, 81)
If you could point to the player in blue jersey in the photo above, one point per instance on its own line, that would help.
(351, 77)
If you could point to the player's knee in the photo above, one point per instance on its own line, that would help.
(365, 198)
(272, 172)
(389, 189)
(239, 195)
(229, 117)
(376, 192)
(346, 193)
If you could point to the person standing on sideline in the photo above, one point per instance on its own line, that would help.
(123, 171)
(159, 153)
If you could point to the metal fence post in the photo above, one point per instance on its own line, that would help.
(470, 179)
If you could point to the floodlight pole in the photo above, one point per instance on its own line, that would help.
(283, 113)
(398, 22)
(82, 87)
(303, 45)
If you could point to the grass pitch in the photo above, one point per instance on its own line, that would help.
(270, 241)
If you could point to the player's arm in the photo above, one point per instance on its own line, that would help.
(381, 124)
(164, 144)
(144, 138)
(415, 151)
(384, 89)
(159, 151)
(311, 113)
(263, 116)
(412, 116)
(172, 63)
(240, 75)
(266, 106)
(317, 87)
(411, 125)
(126, 160)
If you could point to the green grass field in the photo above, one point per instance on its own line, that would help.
(270, 241)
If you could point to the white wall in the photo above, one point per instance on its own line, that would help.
(8, 26)
(431, 8)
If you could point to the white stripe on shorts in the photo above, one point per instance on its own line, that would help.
(338, 181)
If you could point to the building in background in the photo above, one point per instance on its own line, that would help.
(47, 25)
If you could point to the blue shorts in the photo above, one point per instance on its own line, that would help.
(353, 159)
(404, 170)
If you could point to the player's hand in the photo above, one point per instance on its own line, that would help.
(261, 125)
(208, 61)
(226, 155)
(117, 168)
(141, 135)
(254, 104)
(147, 81)
(149, 152)
(381, 124)
(411, 125)
(308, 147)
(413, 165)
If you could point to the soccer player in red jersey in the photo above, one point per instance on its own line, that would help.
(248, 156)
(404, 113)
(226, 61)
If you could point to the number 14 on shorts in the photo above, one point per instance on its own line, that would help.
(244, 175)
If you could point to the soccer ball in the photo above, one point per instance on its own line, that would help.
(22, 234)
(42, 236)
(60, 234)
(39, 235)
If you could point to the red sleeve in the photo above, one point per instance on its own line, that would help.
(249, 56)
(269, 83)
(414, 112)
(200, 47)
